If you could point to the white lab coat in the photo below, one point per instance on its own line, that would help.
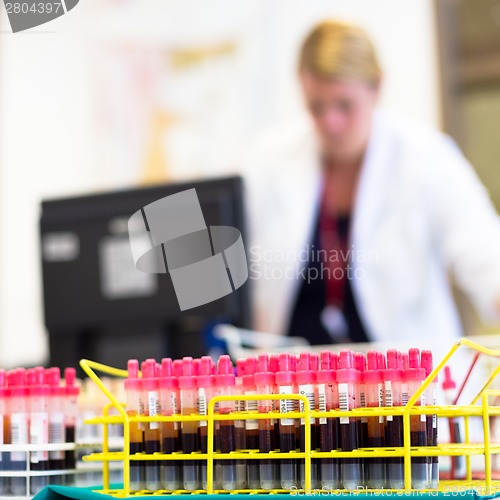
(419, 213)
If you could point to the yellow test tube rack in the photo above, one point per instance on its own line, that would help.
(479, 407)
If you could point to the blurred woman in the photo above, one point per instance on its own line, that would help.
(358, 218)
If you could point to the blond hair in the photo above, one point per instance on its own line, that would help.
(338, 50)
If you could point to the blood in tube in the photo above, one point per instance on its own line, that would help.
(19, 427)
(265, 383)
(348, 379)
(251, 425)
(414, 376)
(57, 434)
(285, 380)
(4, 430)
(190, 436)
(133, 389)
(225, 383)
(71, 414)
(169, 430)
(373, 387)
(306, 380)
(393, 396)
(328, 399)
(432, 428)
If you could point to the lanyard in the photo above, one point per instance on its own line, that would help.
(334, 251)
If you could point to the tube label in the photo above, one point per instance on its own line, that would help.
(344, 401)
(307, 391)
(39, 434)
(153, 408)
(434, 402)
(56, 434)
(202, 405)
(380, 388)
(286, 405)
(423, 418)
(251, 405)
(322, 401)
(19, 434)
(175, 408)
(388, 397)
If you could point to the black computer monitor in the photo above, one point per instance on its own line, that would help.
(97, 305)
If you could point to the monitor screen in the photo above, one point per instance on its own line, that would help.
(98, 305)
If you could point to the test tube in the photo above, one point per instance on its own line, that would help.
(39, 427)
(432, 428)
(133, 389)
(251, 425)
(169, 430)
(264, 384)
(414, 376)
(239, 425)
(360, 365)
(4, 430)
(225, 383)
(206, 391)
(285, 380)
(306, 379)
(190, 437)
(393, 394)
(70, 414)
(56, 421)
(19, 427)
(328, 399)
(373, 386)
(274, 367)
(152, 438)
(348, 379)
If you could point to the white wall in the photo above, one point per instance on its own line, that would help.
(50, 140)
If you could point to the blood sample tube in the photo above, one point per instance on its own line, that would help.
(152, 439)
(57, 395)
(133, 389)
(274, 367)
(251, 425)
(39, 427)
(360, 365)
(285, 380)
(206, 390)
(306, 379)
(225, 383)
(414, 376)
(19, 427)
(239, 425)
(264, 384)
(190, 436)
(4, 431)
(432, 428)
(393, 387)
(328, 399)
(169, 430)
(348, 379)
(373, 386)
(71, 414)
